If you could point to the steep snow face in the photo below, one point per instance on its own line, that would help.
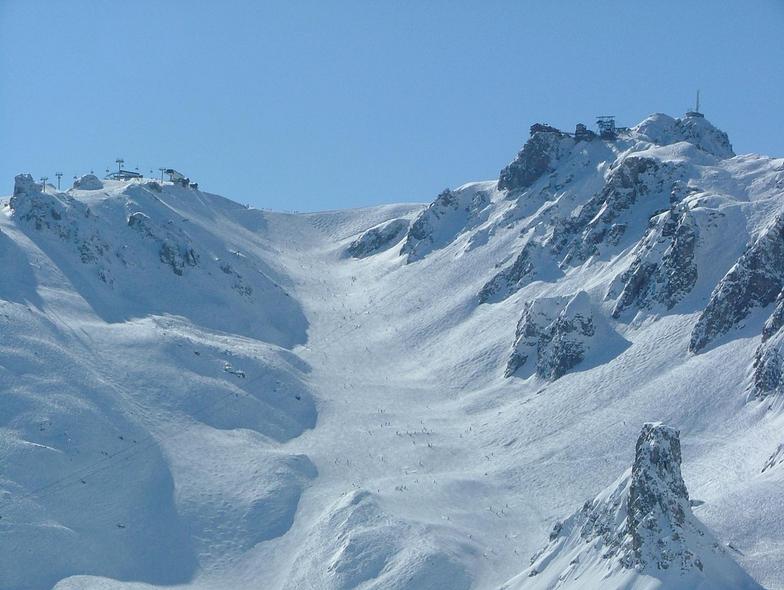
(125, 239)
(142, 410)
(209, 396)
(357, 545)
(638, 533)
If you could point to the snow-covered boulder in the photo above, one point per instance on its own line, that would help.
(559, 332)
(662, 129)
(755, 280)
(537, 158)
(88, 182)
(639, 533)
(378, 238)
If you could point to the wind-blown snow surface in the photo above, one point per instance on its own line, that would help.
(207, 396)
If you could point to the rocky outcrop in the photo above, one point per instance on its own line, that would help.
(452, 213)
(61, 216)
(658, 503)
(776, 459)
(769, 356)
(755, 280)
(511, 279)
(378, 238)
(555, 333)
(537, 158)
(663, 270)
(638, 533)
(578, 238)
(88, 182)
(598, 223)
(174, 246)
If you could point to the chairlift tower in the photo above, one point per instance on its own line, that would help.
(43, 182)
(59, 175)
(119, 162)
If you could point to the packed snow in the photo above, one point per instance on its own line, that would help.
(199, 394)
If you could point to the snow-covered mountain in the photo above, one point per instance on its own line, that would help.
(200, 394)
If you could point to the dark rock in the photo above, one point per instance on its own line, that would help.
(177, 256)
(88, 182)
(557, 330)
(769, 356)
(578, 238)
(658, 504)
(535, 159)
(641, 525)
(452, 213)
(514, 277)
(755, 280)
(663, 269)
(380, 238)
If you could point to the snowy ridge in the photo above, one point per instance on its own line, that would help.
(202, 395)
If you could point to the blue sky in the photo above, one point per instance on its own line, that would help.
(310, 105)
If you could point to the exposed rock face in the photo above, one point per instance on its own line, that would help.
(516, 276)
(88, 182)
(642, 525)
(658, 502)
(755, 280)
(59, 215)
(452, 213)
(24, 183)
(557, 330)
(535, 159)
(598, 226)
(769, 356)
(578, 238)
(379, 238)
(663, 269)
(175, 249)
(776, 459)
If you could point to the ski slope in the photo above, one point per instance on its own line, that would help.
(201, 395)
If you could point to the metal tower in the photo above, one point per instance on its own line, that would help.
(606, 125)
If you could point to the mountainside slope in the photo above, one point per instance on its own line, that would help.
(201, 394)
